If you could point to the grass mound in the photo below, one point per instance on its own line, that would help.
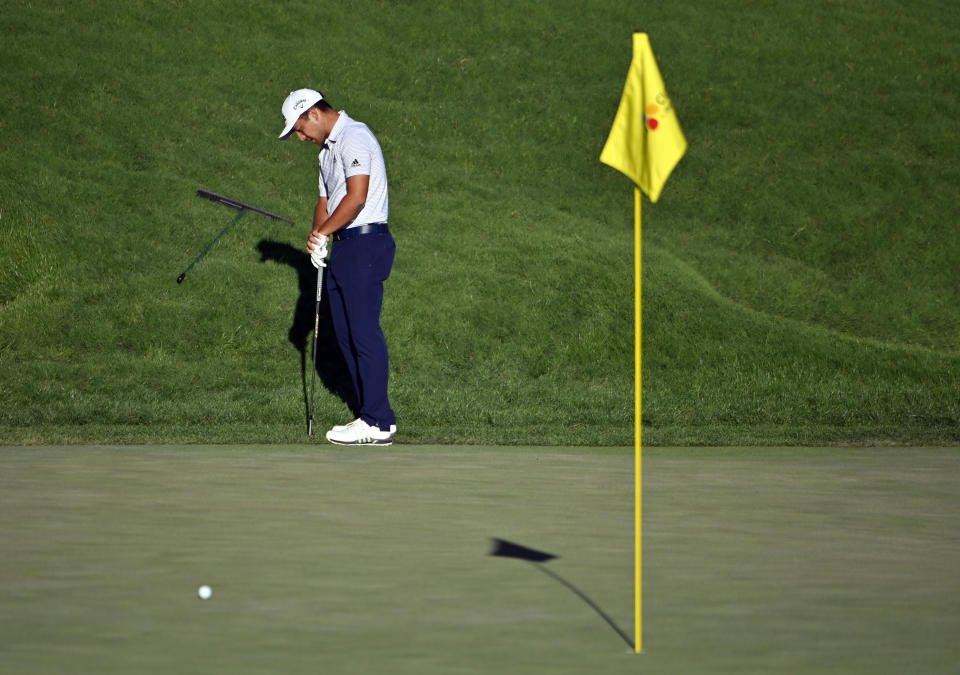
(801, 271)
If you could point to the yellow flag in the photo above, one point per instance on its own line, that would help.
(645, 141)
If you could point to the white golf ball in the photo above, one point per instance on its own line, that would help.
(204, 592)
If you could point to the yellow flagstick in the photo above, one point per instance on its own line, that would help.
(645, 144)
(638, 422)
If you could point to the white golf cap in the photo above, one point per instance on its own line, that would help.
(297, 103)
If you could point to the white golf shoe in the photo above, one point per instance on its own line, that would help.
(342, 427)
(359, 432)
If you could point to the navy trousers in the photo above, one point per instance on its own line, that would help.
(358, 268)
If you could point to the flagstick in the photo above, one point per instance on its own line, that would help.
(638, 424)
(646, 159)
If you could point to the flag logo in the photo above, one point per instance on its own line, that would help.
(649, 120)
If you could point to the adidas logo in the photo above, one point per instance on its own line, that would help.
(355, 163)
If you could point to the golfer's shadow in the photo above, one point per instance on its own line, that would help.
(330, 364)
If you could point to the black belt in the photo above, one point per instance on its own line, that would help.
(349, 232)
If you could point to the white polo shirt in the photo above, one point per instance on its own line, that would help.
(353, 150)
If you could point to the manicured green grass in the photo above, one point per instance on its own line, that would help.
(801, 280)
(755, 560)
(801, 561)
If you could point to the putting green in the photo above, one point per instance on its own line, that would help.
(324, 559)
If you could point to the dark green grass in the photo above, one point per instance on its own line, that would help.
(756, 560)
(800, 275)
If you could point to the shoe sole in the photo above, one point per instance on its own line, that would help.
(390, 442)
(343, 427)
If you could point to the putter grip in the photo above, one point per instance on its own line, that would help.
(181, 278)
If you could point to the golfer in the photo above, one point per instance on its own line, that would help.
(352, 210)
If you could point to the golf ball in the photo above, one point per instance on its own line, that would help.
(204, 592)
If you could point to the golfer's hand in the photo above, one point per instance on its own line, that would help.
(317, 247)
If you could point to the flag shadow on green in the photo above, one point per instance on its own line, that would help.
(508, 549)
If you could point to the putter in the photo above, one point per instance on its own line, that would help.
(316, 332)
(233, 203)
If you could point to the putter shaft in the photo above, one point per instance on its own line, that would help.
(316, 333)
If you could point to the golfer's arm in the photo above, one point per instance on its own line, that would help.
(348, 208)
(319, 214)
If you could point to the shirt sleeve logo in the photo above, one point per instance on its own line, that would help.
(355, 163)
